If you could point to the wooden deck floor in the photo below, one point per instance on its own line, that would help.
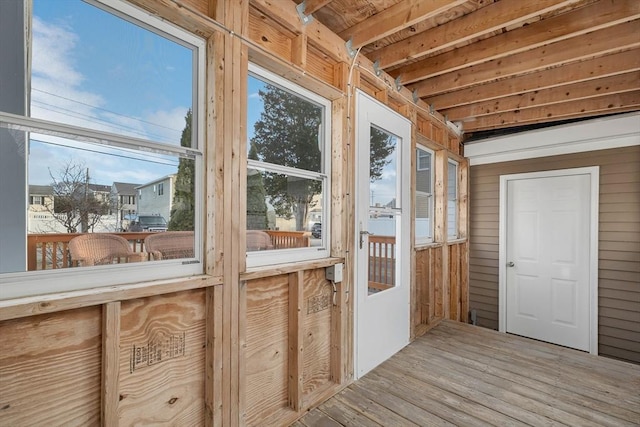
(459, 374)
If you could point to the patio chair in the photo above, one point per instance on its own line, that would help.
(170, 245)
(101, 248)
(258, 240)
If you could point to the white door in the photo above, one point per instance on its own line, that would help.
(547, 262)
(382, 233)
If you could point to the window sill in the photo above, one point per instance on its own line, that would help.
(50, 303)
(291, 267)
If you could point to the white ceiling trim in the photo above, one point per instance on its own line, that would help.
(598, 134)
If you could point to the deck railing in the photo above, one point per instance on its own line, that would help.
(288, 239)
(51, 250)
(382, 262)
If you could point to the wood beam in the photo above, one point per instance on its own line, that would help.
(607, 104)
(313, 6)
(604, 66)
(483, 21)
(583, 90)
(396, 18)
(284, 13)
(589, 18)
(574, 49)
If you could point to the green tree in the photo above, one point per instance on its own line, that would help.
(287, 134)
(75, 205)
(256, 195)
(183, 210)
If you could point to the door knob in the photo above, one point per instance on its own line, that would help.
(511, 264)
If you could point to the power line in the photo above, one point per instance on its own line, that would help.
(104, 109)
(166, 163)
(71, 113)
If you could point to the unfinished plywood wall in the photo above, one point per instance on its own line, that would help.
(229, 347)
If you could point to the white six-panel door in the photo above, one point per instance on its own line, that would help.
(547, 267)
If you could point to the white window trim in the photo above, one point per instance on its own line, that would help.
(34, 283)
(452, 237)
(422, 240)
(281, 256)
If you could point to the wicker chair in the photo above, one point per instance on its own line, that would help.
(170, 245)
(101, 248)
(258, 241)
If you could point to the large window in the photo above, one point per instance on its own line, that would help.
(287, 171)
(452, 200)
(104, 103)
(424, 195)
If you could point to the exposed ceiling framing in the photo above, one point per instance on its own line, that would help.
(495, 64)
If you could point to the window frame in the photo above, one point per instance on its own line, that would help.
(456, 201)
(280, 256)
(423, 240)
(33, 283)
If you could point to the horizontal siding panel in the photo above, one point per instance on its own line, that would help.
(487, 225)
(619, 285)
(622, 305)
(623, 325)
(624, 276)
(483, 262)
(607, 331)
(483, 284)
(618, 353)
(620, 294)
(485, 240)
(633, 197)
(489, 293)
(493, 210)
(619, 178)
(484, 202)
(615, 236)
(619, 246)
(631, 187)
(490, 310)
(493, 270)
(485, 277)
(618, 217)
(631, 208)
(619, 256)
(485, 301)
(477, 253)
(620, 343)
(484, 232)
(487, 218)
(620, 266)
(625, 227)
(618, 314)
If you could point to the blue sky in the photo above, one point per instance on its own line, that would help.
(95, 70)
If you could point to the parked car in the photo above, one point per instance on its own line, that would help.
(316, 230)
(148, 223)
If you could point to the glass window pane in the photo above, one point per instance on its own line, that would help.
(383, 169)
(76, 187)
(284, 128)
(283, 211)
(452, 200)
(96, 70)
(424, 195)
(382, 250)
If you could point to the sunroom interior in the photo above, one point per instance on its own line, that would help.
(275, 197)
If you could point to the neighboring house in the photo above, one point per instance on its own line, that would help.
(123, 198)
(40, 198)
(103, 194)
(156, 197)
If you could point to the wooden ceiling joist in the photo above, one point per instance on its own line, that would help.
(628, 101)
(604, 66)
(621, 83)
(581, 21)
(484, 21)
(312, 6)
(597, 43)
(394, 19)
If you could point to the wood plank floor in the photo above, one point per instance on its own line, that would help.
(459, 374)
